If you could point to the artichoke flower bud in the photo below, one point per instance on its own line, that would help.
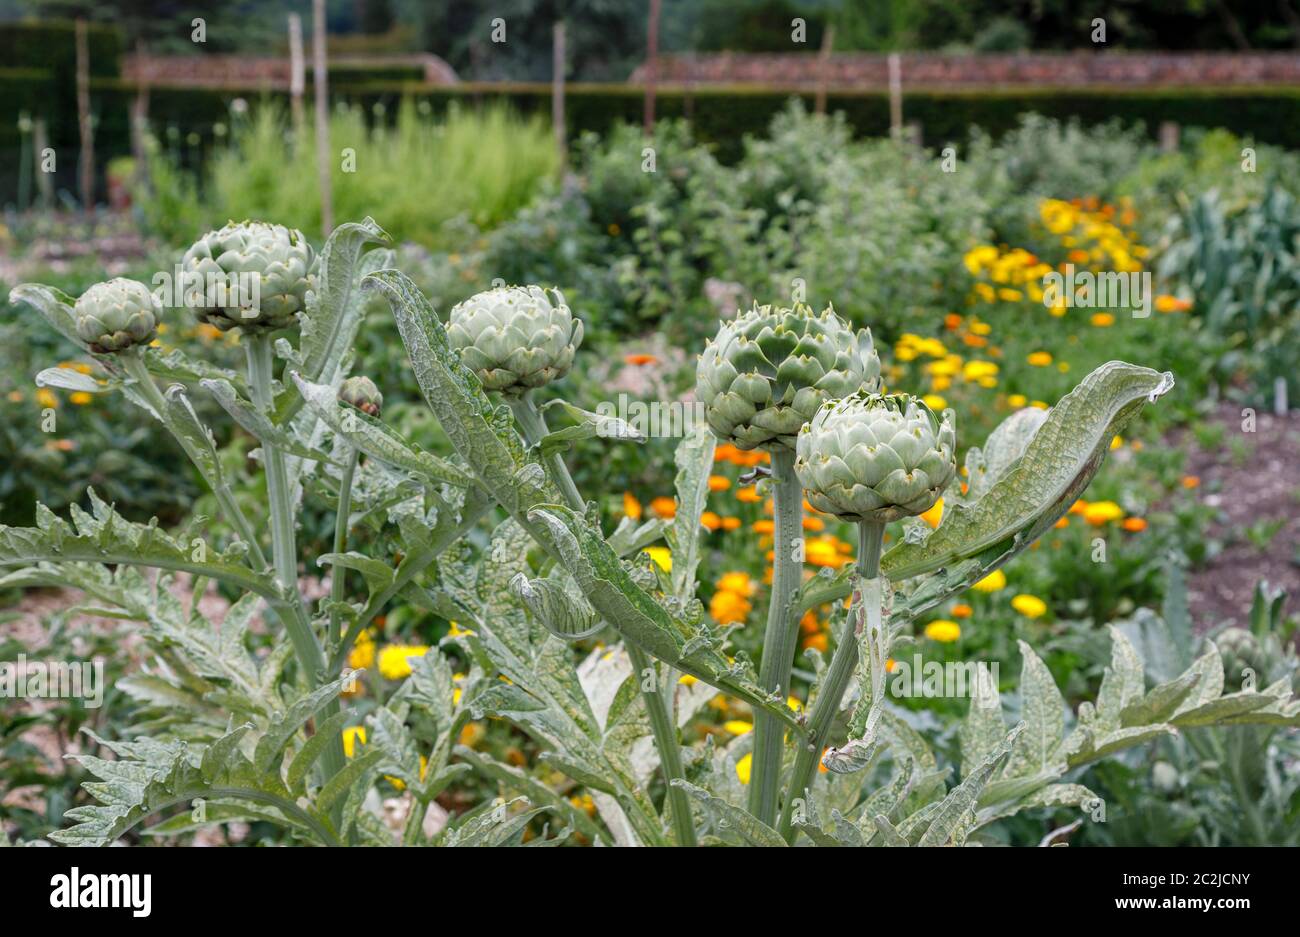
(117, 315)
(515, 338)
(768, 371)
(1241, 650)
(361, 392)
(252, 275)
(876, 458)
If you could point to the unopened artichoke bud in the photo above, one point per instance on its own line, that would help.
(769, 370)
(874, 457)
(515, 338)
(361, 392)
(1241, 651)
(250, 275)
(117, 315)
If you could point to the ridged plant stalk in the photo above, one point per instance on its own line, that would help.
(780, 636)
(341, 518)
(283, 547)
(867, 597)
(533, 423)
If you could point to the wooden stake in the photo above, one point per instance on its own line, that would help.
(823, 68)
(651, 66)
(895, 95)
(83, 119)
(297, 73)
(321, 79)
(557, 93)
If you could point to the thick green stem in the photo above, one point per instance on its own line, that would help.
(533, 423)
(135, 367)
(342, 514)
(284, 549)
(781, 635)
(831, 693)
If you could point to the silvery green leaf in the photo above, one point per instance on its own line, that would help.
(306, 757)
(258, 424)
(357, 770)
(175, 365)
(568, 617)
(962, 798)
(535, 791)
(1122, 684)
(1159, 703)
(194, 434)
(376, 439)
(984, 726)
(284, 726)
(630, 537)
(730, 822)
(1003, 449)
(1043, 709)
(889, 835)
(68, 379)
(588, 425)
(1085, 745)
(54, 305)
(694, 460)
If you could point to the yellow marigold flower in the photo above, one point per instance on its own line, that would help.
(1031, 606)
(743, 768)
(662, 556)
(1017, 400)
(748, 495)
(456, 678)
(992, 582)
(794, 703)
(729, 608)
(1102, 319)
(472, 734)
(1040, 404)
(1116, 442)
(943, 630)
(945, 367)
(362, 655)
(739, 583)
(822, 551)
(45, 397)
(940, 384)
(687, 680)
(738, 726)
(455, 630)
(631, 506)
(985, 292)
(1166, 303)
(394, 659)
(981, 328)
(1039, 359)
(1008, 295)
(1099, 513)
(935, 402)
(975, 370)
(352, 737)
(81, 398)
(719, 483)
(665, 507)
(934, 515)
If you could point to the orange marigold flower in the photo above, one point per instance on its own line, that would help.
(1063, 522)
(748, 495)
(665, 507)
(1134, 525)
(731, 523)
(817, 641)
(814, 524)
(631, 506)
(710, 521)
(809, 623)
(728, 608)
(952, 322)
(962, 610)
(719, 483)
(1191, 481)
(1079, 507)
(764, 527)
(639, 359)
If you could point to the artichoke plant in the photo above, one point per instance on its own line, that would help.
(116, 315)
(252, 275)
(873, 457)
(515, 338)
(766, 372)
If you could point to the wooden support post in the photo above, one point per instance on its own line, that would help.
(824, 67)
(321, 78)
(83, 119)
(557, 92)
(651, 66)
(297, 75)
(1168, 136)
(895, 95)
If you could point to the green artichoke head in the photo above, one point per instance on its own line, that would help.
(252, 275)
(769, 370)
(873, 457)
(515, 338)
(116, 315)
(361, 392)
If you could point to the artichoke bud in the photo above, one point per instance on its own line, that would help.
(515, 338)
(1241, 650)
(361, 392)
(767, 372)
(251, 275)
(873, 457)
(116, 315)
